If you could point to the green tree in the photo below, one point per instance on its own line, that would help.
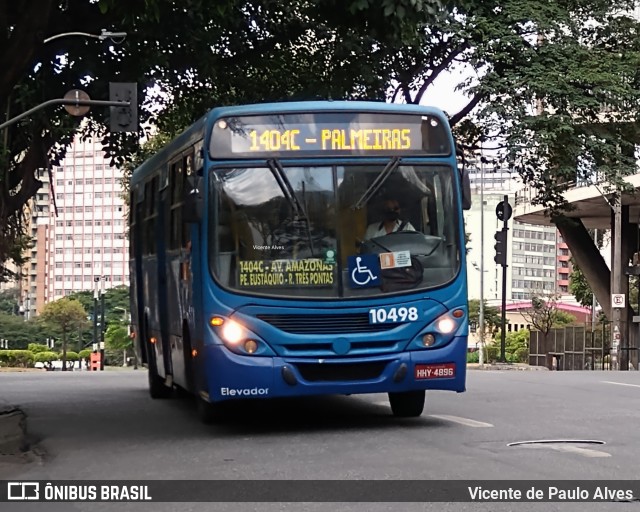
(257, 50)
(117, 338)
(67, 316)
(20, 332)
(9, 301)
(491, 315)
(544, 314)
(579, 287)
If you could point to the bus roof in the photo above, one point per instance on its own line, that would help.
(202, 126)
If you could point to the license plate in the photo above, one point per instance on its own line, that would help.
(435, 371)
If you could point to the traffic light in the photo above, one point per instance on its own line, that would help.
(501, 247)
(124, 119)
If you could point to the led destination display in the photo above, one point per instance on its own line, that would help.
(306, 272)
(328, 133)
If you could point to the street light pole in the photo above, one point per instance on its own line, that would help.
(105, 34)
(481, 312)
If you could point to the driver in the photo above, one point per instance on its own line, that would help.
(391, 221)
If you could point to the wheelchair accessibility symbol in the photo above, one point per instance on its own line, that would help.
(364, 270)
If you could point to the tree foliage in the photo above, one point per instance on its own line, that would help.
(67, 315)
(491, 315)
(20, 332)
(116, 302)
(544, 314)
(9, 301)
(117, 337)
(538, 75)
(579, 286)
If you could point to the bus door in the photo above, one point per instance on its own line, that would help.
(135, 270)
(163, 269)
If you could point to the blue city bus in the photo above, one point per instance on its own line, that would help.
(303, 248)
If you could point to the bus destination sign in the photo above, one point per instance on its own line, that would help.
(305, 272)
(339, 134)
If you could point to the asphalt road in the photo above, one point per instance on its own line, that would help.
(103, 426)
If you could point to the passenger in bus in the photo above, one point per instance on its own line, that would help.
(391, 222)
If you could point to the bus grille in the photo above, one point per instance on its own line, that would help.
(328, 372)
(325, 324)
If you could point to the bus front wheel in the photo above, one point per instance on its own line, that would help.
(207, 412)
(408, 404)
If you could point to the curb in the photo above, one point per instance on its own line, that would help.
(507, 367)
(13, 430)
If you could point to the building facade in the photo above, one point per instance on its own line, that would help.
(538, 260)
(78, 228)
(89, 233)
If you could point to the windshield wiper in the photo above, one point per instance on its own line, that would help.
(289, 193)
(391, 166)
(285, 185)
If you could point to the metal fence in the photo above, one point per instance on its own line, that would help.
(577, 347)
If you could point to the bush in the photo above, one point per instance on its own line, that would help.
(16, 358)
(473, 357)
(493, 352)
(46, 357)
(36, 348)
(84, 353)
(72, 356)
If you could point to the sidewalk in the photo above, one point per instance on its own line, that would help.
(506, 366)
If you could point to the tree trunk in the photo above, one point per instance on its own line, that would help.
(64, 351)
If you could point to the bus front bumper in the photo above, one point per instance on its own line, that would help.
(229, 376)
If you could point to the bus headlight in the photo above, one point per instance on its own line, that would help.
(446, 325)
(237, 338)
(232, 332)
(440, 331)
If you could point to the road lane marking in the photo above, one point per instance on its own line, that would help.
(568, 448)
(462, 421)
(621, 384)
(454, 419)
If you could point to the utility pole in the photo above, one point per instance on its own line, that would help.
(619, 334)
(95, 313)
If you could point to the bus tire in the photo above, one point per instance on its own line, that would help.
(408, 404)
(157, 387)
(207, 412)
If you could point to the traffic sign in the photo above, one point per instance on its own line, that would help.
(503, 210)
(617, 300)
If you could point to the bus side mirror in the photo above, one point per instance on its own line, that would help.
(192, 204)
(466, 189)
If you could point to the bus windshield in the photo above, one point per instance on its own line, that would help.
(330, 231)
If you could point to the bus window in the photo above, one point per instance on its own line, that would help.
(288, 230)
